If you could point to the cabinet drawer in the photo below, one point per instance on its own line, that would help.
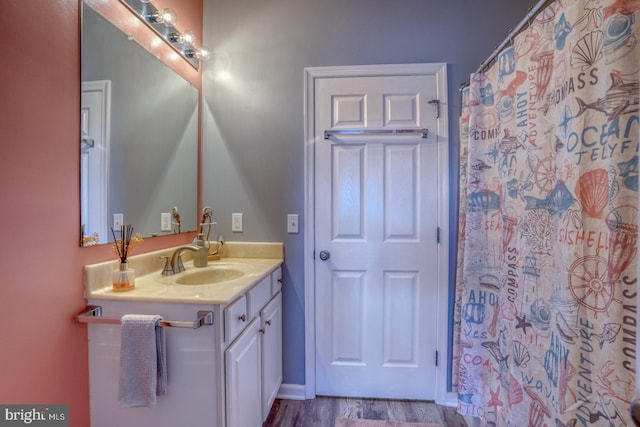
(258, 296)
(235, 318)
(276, 281)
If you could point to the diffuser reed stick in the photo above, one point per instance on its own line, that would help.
(124, 277)
(123, 246)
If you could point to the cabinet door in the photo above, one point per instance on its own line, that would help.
(243, 380)
(276, 280)
(235, 319)
(271, 317)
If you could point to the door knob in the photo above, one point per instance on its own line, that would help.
(325, 255)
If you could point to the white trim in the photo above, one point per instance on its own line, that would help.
(310, 74)
(442, 132)
(101, 179)
(452, 400)
(443, 249)
(292, 392)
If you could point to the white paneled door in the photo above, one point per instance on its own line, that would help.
(376, 238)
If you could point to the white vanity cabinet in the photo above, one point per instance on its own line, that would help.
(224, 375)
(253, 361)
(192, 397)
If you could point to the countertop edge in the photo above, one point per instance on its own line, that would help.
(104, 294)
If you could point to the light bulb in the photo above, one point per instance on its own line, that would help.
(164, 16)
(168, 16)
(189, 37)
(203, 53)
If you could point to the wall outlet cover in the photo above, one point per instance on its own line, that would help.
(236, 223)
(292, 223)
(118, 221)
(165, 221)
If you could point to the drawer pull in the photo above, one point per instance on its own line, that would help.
(280, 280)
(261, 330)
(243, 317)
(267, 322)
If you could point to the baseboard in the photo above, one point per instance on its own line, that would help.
(298, 392)
(452, 400)
(292, 392)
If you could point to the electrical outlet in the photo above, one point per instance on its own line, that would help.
(292, 223)
(118, 221)
(236, 223)
(165, 221)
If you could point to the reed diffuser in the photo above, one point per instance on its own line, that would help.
(124, 277)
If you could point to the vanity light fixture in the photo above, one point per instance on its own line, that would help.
(163, 21)
(164, 16)
(202, 53)
(188, 37)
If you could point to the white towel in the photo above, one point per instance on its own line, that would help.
(143, 367)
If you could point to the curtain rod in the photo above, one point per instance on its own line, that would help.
(533, 11)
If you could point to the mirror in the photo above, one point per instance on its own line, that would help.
(139, 137)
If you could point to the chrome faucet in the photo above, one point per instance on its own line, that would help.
(176, 258)
(174, 265)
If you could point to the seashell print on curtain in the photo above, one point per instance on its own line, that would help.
(546, 289)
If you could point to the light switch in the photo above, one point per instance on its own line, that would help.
(292, 223)
(118, 221)
(236, 223)
(165, 221)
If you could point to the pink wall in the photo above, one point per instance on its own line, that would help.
(43, 352)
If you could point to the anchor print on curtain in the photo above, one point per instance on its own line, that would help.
(546, 287)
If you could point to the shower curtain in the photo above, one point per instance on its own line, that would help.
(546, 287)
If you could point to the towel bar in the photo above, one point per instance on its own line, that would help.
(93, 314)
(393, 132)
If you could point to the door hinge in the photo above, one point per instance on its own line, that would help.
(438, 235)
(436, 357)
(437, 102)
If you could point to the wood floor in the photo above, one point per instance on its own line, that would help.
(322, 412)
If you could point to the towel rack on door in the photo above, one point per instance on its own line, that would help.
(402, 132)
(93, 314)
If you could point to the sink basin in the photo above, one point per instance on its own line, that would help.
(209, 276)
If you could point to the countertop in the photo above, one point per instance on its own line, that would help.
(151, 286)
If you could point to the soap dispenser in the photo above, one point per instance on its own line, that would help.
(200, 257)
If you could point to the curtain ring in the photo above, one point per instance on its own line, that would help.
(529, 15)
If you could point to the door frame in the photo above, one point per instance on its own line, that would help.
(99, 184)
(311, 74)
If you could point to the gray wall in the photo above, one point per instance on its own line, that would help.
(253, 159)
